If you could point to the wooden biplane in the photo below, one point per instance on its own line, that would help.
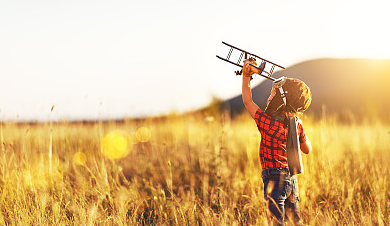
(262, 69)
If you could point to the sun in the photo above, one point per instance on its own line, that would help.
(358, 29)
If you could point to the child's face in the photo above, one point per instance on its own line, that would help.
(273, 92)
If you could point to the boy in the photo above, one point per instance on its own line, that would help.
(280, 186)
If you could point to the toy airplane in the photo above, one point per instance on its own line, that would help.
(260, 70)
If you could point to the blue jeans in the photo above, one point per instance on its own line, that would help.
(282, 195)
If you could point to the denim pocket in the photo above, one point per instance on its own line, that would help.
(294, 190)
(284, 188)
(276, 188)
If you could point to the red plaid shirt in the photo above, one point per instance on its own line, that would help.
(273, 140)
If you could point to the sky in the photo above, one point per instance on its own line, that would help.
(114, 59)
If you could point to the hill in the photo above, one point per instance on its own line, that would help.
(341, 86)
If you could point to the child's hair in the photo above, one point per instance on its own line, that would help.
(298, 98)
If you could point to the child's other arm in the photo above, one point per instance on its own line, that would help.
(250, 106)
(306, 146)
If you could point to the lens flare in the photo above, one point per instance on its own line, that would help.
(79, 158)
(143, 134)
(116, 145)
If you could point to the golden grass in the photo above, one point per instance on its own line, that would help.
(194, 170)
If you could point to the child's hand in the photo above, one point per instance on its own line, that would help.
(246, 68)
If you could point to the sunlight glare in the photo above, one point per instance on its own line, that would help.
(116, 145)
(357, 35)
(143, 134)
(79, 158)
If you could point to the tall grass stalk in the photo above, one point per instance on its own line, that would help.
(51, 140)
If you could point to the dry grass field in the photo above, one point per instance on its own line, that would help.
(185, 170)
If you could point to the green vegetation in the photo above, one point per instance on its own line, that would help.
(195, 169)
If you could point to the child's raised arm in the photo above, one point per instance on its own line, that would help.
(250, 106)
